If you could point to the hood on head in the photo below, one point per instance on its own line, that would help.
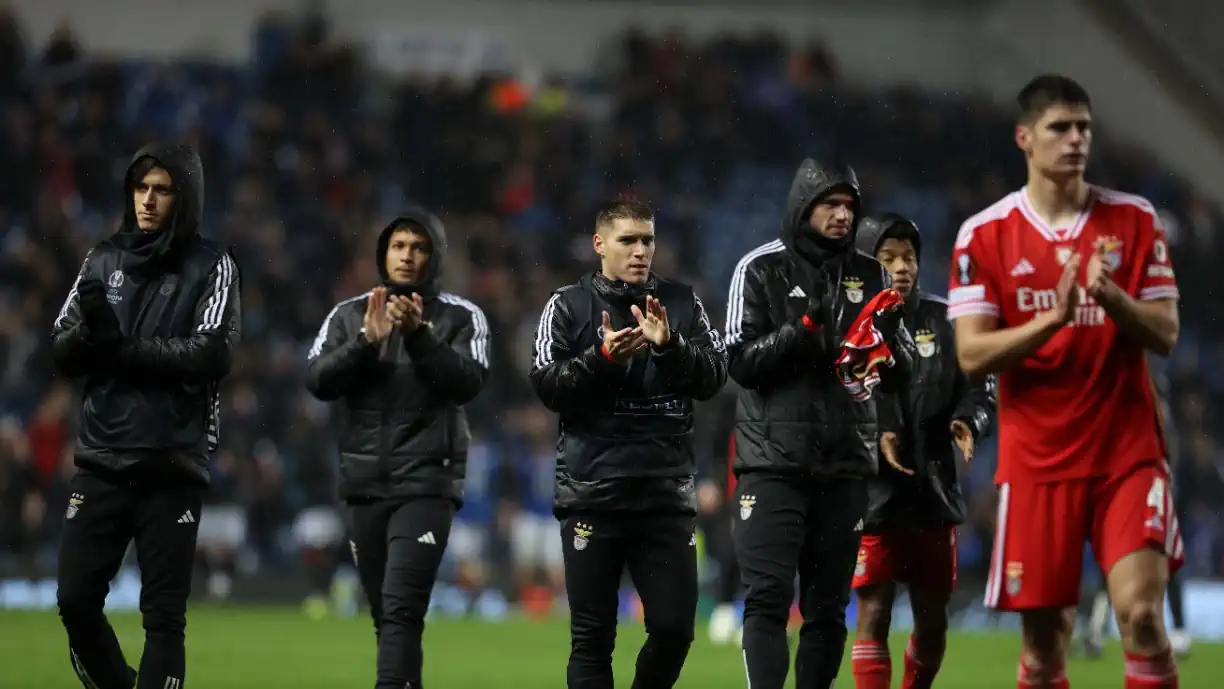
(813, 181)
(187, 174)
(874, 229)
(414, 218)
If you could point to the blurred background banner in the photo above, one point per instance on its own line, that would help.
(317, 121)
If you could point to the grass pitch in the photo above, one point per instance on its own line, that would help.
(282, 649)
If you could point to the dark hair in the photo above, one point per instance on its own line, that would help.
(1046, 91)
(626, 208)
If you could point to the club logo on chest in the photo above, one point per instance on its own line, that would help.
(926, 343)
(854, 289)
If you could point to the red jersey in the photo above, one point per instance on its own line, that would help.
(1081, 406)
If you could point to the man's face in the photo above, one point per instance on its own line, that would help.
(901, 261)
(153, 196)
(626, 248)
(407, 253)
(1058, 143)
(833, 215)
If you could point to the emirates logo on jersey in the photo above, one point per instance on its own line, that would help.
(1089, 313)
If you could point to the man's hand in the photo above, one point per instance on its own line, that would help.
(406, 313)
(377, 324)
(1068, 291)
(708, 497)
(889, 445)
(653, 323)
(963, 438)
(622, 344)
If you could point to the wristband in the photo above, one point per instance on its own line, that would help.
(603, 349)
(810, 324)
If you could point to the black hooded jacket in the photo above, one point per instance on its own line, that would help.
(151, 403)
(626, 436)
(793, 415)
(404, 432)
(922, 413)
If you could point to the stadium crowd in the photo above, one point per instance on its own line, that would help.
(307, 153)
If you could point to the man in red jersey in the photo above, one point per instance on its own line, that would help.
(1059, 288)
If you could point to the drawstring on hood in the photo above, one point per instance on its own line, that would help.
(430, 274)
(157, 251)
(813, 182)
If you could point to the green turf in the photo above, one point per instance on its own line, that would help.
(278, 649)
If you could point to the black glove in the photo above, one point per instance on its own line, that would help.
(99, 318)
(888, 323)
(818, 310)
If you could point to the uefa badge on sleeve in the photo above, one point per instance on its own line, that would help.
(582, 535)
(746, 503)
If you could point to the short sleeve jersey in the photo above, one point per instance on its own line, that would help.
(1083, 405)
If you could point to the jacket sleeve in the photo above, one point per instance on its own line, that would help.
(71, 349)
(976, 404)
(335, 359)
(561, 375)
(457, 369)
(207, 354)
(759, 351)
(695, 364)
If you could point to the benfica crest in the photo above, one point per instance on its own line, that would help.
(74, 505)
(854, 289)
(1112, 248)
(746, 503)
(582, 535)
(926, 343)
(1015, 573)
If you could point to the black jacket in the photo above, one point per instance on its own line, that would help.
(937, 394)
(404, 432)
(626, 433)
(794, 416)
(153, 404)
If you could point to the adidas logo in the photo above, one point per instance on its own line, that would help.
(859, 525)
(797, 292)
(1022, 268)
(187, 518)
(428, 539)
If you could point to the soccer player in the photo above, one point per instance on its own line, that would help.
(910, 528)
(1061, 288)
(402, 359)
(807, 432)
(150, 324)
(620, 356)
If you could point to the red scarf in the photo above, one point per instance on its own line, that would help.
(864, 349)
